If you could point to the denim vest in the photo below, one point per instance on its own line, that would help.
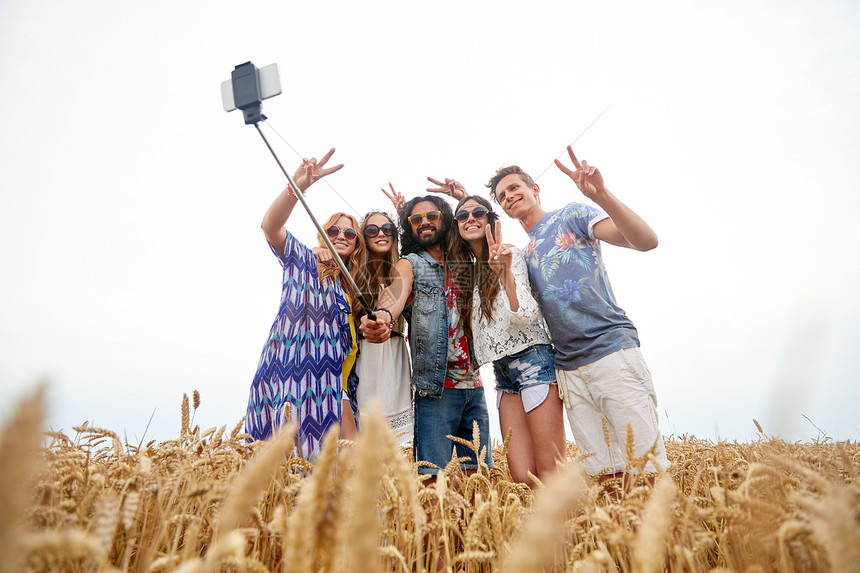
(428, 327)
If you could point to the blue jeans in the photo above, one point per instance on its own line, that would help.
(451, 414)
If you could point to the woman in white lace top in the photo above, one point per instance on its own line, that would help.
(507, 329)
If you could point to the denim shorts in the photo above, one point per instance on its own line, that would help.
(450, 414)
(524, 369)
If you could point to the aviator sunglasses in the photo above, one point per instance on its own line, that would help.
(477, 213)
(334, 231)
(388, 229)
(431, 216)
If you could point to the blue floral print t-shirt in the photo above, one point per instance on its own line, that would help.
(570, 283)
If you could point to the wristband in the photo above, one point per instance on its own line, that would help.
(390, 316)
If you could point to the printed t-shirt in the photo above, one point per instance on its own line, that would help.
(570, 283)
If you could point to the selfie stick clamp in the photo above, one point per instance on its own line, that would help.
(248, 97)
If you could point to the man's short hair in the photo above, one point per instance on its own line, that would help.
(503, 172)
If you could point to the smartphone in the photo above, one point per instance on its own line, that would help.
(270, 86)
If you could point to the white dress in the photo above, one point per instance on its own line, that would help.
(384, 371)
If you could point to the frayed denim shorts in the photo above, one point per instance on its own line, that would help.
(525, 369)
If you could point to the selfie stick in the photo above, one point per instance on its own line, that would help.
(247, 96)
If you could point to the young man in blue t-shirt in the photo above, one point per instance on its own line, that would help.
(601, 372)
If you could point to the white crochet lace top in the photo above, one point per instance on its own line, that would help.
(508, 332)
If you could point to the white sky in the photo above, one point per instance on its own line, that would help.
(134, 268)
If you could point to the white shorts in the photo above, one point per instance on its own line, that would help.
(618, 387)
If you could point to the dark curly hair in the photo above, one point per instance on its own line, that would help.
(408, 241)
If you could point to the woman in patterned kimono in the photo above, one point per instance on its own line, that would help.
(300, 374)
(507, 329)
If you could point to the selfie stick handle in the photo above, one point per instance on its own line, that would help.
(297, 192)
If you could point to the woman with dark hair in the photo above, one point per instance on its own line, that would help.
(507, 329)
(312, 341)
(383, 370)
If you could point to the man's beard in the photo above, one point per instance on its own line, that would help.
(431, 240)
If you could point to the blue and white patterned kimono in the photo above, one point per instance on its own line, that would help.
(300, 377)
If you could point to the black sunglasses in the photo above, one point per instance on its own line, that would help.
(431, 216)
(334, 231)
(477, 213)
(388, 229)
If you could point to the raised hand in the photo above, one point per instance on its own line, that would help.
(500, 255)
(396, 198)
(587, 177)
(451, 188)
(311, 170)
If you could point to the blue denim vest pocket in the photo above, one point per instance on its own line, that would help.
(424, 298)
(428, 331)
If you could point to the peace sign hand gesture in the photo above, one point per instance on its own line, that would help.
(451, 188)
(587, 177)
(396, 198)
(500, 255)
(311, 171)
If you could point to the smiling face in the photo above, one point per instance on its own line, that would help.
(428, 233)
(472, 229)
(381, 243)
(516, 197)
(343, 245)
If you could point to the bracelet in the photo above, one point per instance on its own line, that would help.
(390, 316)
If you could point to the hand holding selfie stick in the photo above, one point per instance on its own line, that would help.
(246, 90)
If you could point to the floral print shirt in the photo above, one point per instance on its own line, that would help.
(570, 283)
(460, 372)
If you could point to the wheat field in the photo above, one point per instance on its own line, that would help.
(210, 501)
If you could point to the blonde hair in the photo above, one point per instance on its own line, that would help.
(355, 260)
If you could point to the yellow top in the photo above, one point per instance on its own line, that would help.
(350, 359)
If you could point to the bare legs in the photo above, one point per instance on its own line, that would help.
(348, 431)
(538, 436)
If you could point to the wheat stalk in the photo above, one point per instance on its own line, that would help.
(542, 530)
(19, 446)
(246, 491)
(205, 502)
(650, 541)
(363, 528)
